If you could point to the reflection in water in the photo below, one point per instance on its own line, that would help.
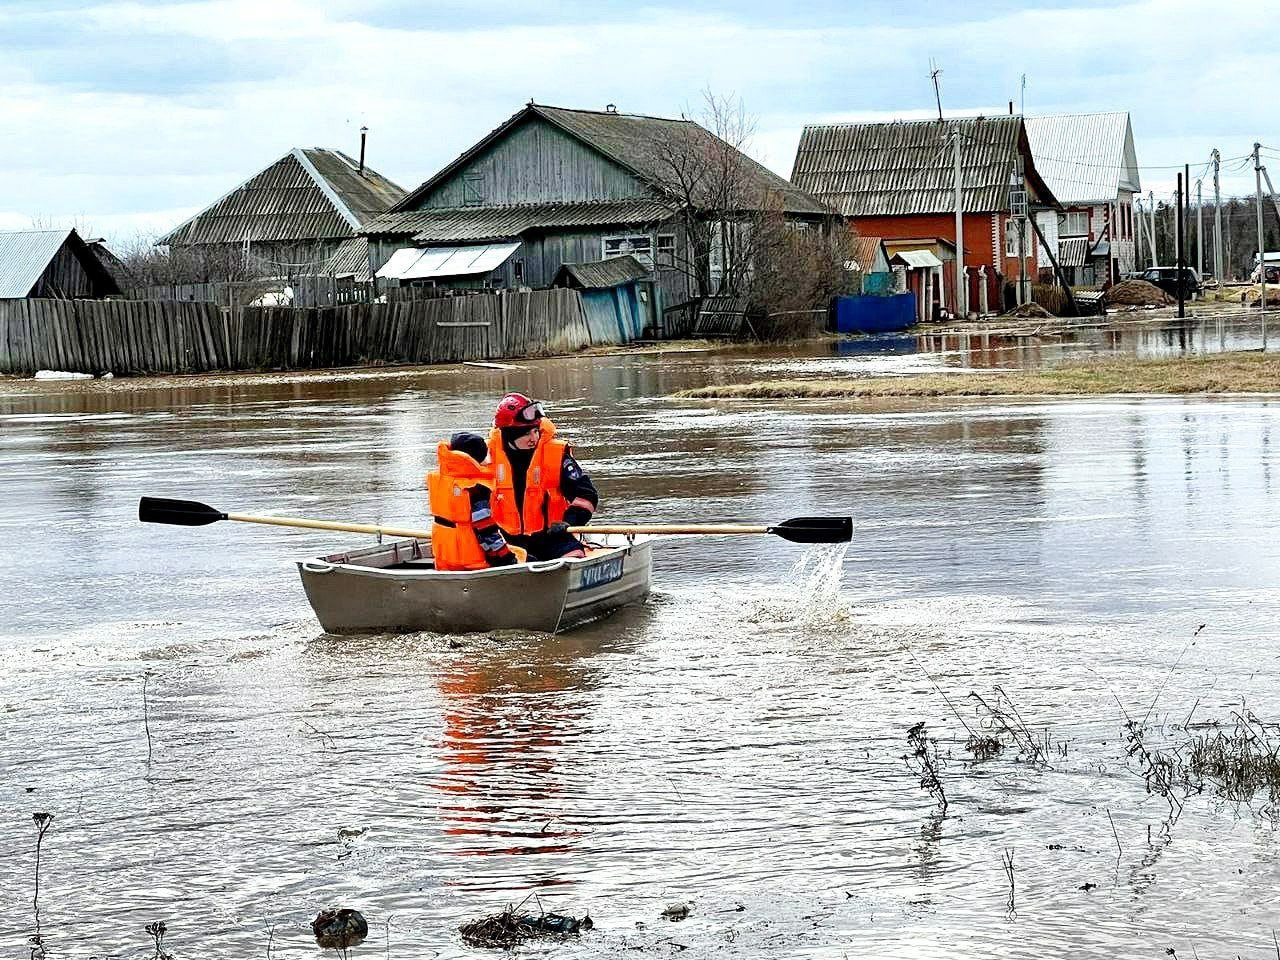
(724, 745)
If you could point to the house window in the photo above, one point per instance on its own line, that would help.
(666, 250)
(640, 247)
(1012, 237)
(1074, 223)
(472, 189)
(517, 271)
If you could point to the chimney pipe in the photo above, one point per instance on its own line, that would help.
(364, 132)
(1011, 108)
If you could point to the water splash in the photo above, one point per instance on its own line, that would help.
(809, 594)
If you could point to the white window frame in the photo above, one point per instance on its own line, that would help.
(1012, 240)
(1080, 219)
(638, 245)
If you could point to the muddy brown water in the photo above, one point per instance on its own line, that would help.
(736, 743)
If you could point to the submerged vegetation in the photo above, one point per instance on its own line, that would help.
(1220, 373)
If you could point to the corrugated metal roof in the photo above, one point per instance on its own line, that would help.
(453, 224)
(24, 255)
(601, 274)
(866, 251)
(903, 168)
(1085, 157)
(309, 194)
(636, 142)
(415, 263)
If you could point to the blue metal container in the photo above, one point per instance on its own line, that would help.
(875, 314)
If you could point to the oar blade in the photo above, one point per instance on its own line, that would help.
(182, 513)
(815, 529)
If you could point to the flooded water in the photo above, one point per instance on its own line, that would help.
(736, 743)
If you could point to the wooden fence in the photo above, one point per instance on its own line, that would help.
(155, 337)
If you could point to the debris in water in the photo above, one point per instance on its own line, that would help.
(509, 929)
(675, 911)
(339, 929)
(925, 762)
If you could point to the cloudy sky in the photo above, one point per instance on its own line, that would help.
(125, 118)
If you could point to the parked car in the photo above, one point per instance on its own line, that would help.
(1273, 274)
(1166, 278)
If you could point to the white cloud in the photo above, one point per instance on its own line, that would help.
(298, 74)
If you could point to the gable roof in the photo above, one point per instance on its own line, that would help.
(473, 224)
(26, 254)
(600, 274)
(867, 251)
(629, 140)
(312, 194)
(1085, 157)
(907, 167)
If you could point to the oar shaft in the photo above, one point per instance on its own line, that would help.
(663, 528)
(331, 525)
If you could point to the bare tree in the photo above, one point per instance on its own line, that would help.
(799, 269)
(150, 265)
(705, 170)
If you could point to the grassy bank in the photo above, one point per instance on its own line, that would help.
(1222, 373)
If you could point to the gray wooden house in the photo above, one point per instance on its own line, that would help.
(54, 264)
(300, 216)
(554, 186)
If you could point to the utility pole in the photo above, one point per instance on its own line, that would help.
(1218, 261)
(1199, 226)
(1137, 233)
(962, 287)
(1262, 263)
(1177, 244)
(1155, 252)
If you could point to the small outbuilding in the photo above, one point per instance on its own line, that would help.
(55, 264)
(617, 295)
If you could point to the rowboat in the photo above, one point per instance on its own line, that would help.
(394, 588)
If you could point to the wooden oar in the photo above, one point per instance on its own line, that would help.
(191, 513)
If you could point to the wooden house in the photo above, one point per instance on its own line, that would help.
(51, 263)
(300, 216)
(552, 186)
(897, 181)
(1090, 163)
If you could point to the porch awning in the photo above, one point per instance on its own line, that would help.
(916, 259)
(418, 263)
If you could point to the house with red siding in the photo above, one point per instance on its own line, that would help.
(897, 181)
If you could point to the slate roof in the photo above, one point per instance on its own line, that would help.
(475, 224)
(633, 141)
(600, 274)
(907, 167)
(352, 259)
(1073, 251)
(1085, 157)
(26, 254)
(311, 194)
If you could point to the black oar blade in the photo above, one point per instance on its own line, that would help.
(815, 529)
(183, 513)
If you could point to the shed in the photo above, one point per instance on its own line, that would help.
(921, 275)
(618, 297)
(51, 263)
(871, 260)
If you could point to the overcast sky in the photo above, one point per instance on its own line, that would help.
(125, 118)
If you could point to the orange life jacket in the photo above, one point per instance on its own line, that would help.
(453, 537)
(544, 503)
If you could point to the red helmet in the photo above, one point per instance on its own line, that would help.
(517, 410)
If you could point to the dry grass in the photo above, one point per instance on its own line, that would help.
(1221, 373)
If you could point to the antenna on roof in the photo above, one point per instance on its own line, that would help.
(1022, 97)
(937, 93)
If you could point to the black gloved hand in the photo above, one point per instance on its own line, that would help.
(556, 529)
(577, 516)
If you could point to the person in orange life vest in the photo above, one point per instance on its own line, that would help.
(464, 535)
(539, 489)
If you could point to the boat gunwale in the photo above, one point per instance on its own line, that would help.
(320, 566)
